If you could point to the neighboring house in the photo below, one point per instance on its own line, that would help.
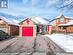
(68, 27)
(27, 28)
(8, 26)
(56, 23)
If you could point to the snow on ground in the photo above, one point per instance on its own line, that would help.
(62, 40)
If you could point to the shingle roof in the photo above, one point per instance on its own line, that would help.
(39, 20)
(11, 22)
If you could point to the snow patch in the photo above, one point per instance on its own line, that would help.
(39, 20)
(15, 21)
(62, 40)
(69, 23)
(9, 21)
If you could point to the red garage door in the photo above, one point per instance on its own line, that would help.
(27, 31)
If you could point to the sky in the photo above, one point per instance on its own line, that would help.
(48, 9)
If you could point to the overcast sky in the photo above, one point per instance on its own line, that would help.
(46, 8)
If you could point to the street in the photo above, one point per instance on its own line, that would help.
(28, 46)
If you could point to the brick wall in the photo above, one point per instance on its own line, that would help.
(70, 29)
(14, 30)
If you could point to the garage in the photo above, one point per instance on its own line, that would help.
(27, 31)
(8, 26)
(27, 28)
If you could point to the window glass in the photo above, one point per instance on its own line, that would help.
(61, 19)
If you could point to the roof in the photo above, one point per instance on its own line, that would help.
(26, 19)
(70, 18)
(64, 16)
(11, 22)
(53, 20)
(67, 24)
(63, 41)
(53, 23)
(60, 16)
(39, 20)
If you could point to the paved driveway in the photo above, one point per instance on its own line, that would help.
(28, 45)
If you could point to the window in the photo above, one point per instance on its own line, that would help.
(61, 19)
(64, 27)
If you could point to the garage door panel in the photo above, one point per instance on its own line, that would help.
(27, 31)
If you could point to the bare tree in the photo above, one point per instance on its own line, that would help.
(67, 4)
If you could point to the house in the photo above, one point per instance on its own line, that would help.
(27, 28)
(41, 24)
(37, 25)
(56, 23)
(8, 26)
